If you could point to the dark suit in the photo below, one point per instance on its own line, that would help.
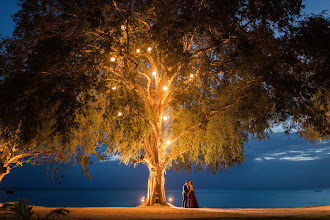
(185, 191)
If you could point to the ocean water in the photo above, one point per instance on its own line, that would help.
(211, 198)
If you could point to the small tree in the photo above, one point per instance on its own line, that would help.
(167, 83)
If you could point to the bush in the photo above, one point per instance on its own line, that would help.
(24, 211)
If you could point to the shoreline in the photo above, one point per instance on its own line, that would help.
(173, 212)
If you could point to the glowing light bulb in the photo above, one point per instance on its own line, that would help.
(191, 75)
(165, 88)
(138, 50)
(149, 49)
(114, 88)
(170, 199)
(154, 73)
(14, 149)
(168, 142)
(165, 118)
(113, 59)
(123, 27)
(120, 113)
(142, 200)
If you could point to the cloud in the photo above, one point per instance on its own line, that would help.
(277, 154)
(321, 150)
(294, 152)
(110, 159)
(269, 158)
(299, 158)
(277, 129)
(280, 128)
(296, 155)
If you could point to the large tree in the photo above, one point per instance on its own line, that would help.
(170, 83)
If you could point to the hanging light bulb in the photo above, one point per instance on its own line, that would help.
(149, 49)
(138, 50)
(191, 75)
(120, 113)
(168, 142)
(113, 59)
(114, 88)
(165, 88)
(165, 118)
(154, 73)
(123, 27)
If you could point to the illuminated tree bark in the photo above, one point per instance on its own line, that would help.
(156, 186)
(4, 170)
(156, 159)
(10, 161)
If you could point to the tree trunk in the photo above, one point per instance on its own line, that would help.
(4, 170)
(156, 186)
(2, 175)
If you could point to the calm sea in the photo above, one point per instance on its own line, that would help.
(212, 198)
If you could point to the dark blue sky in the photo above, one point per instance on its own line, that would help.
(283, 162)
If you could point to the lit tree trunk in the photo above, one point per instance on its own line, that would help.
(156, 186)
(5, 162)
(4, 170)
(2, 175)
(156, 158)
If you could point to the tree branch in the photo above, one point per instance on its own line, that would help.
(176, 155)
(16, 158)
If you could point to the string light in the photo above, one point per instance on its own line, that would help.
(113, 59)
(123, 27)
(114, 88)
(138, 50)
(191, 75)
(149, 49)
(165, 118)
(168, 142)
(170, 199)
(120, 113)
(165, 88)
(154, 73)
(142, 200)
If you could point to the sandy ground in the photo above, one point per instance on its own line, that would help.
(318, 212)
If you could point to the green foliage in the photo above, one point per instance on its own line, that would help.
(310, 41)
(62, 90)
(22, 209)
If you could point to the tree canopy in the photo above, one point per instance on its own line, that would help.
(165, 82)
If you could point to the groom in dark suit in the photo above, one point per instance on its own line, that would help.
(185, 191)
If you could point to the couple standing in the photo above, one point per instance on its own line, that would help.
(188, 192)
